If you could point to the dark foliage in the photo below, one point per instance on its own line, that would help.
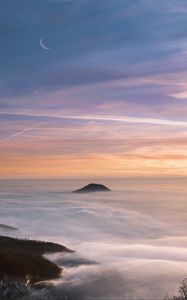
(19, 258)
(19, 263)
(39, 247)
(182, 292)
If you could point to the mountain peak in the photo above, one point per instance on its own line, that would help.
(93, 187)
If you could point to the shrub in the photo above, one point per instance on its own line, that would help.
(182, 292)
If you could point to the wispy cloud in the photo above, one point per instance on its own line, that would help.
(119, 94)
(182, 95)
(19, 133)
(106, 118)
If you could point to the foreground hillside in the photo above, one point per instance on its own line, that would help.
(18, 258)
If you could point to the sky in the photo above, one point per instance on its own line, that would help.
(108, 98)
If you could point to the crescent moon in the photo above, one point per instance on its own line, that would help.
(42, 45)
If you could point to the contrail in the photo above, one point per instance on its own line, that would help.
(120, 119)
(130, 120)
(19, 133)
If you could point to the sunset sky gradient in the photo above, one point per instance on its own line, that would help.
(108, 99)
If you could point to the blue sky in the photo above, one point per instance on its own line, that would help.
(90, 42)
(106, 58)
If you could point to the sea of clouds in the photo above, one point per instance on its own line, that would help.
(130, 244)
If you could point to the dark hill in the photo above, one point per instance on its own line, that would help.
(17, 263)
(93, 187)
(21, 257)
(39, 247)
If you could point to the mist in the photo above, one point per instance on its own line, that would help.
(130, 243)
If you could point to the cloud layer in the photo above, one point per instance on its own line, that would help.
(116, 235)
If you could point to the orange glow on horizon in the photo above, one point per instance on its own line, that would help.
(104, 166)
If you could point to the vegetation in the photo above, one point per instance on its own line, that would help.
(18, 258)
(182, 292)
(16, 264)
(39, 247)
